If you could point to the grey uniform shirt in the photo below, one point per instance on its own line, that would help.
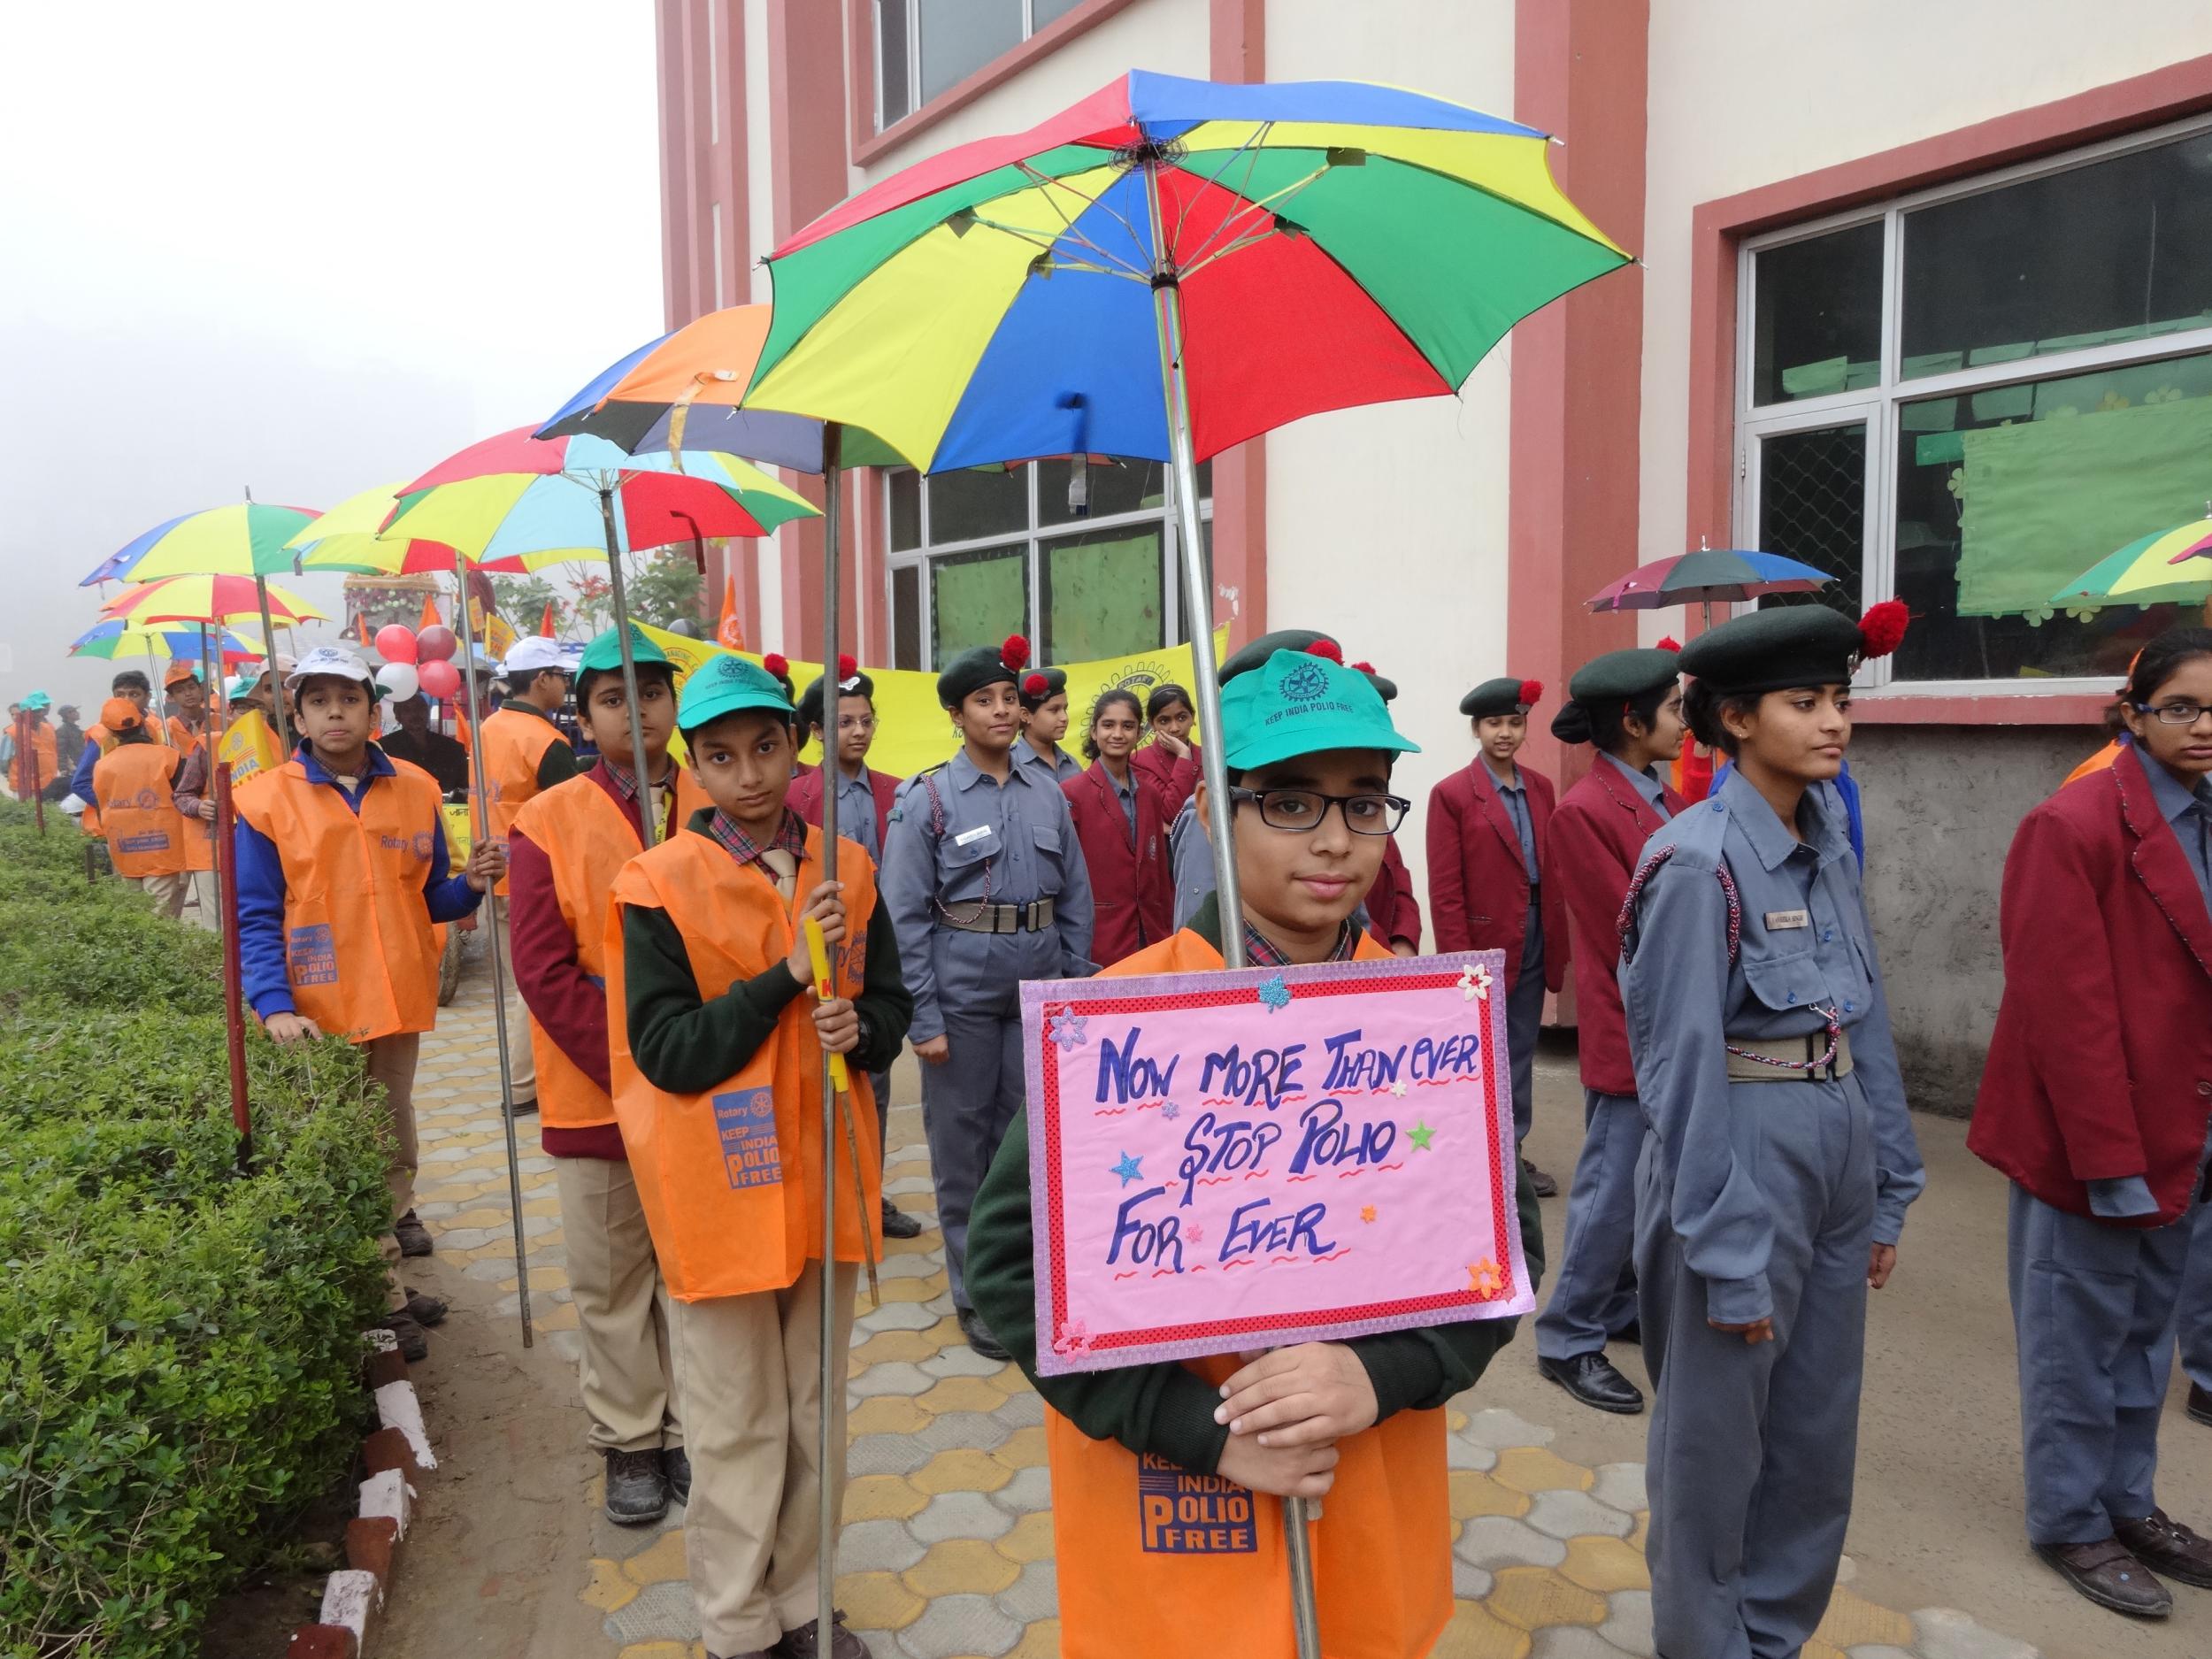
(1060, 770)
(856, 811)
(1682, 993)
(1515, 796)
(959, 838)
(1644, 783)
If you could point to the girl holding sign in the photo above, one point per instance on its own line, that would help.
(1166, 1478)
(1780, 1159)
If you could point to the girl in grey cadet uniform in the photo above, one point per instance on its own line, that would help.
(2095, 1103)
(1779, 1158)
(1044, 723)
(984, 884)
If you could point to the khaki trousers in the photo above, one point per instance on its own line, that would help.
(392, 1063)
(748, 1370)
(622, 1309)
(522, 1064)
(166, 892)
(206, 899)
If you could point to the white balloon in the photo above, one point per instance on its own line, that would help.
(400, 681)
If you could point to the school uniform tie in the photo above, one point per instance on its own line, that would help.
(783, 869)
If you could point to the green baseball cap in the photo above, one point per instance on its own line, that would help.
(1297, 703)
(604, 655)
(728, 685)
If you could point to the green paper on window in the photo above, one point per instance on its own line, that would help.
(2044, 500)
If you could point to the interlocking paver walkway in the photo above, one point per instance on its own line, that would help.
(948, 1545)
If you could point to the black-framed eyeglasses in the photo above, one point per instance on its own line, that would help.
(2173, 713)
(1304, 808)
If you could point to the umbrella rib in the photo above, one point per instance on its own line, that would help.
(1249, 148)
(1098, 202)
(1032, 238)
(1205, 253)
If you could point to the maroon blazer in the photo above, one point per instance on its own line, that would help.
(1392, 912)
(1597, 836)
(2101, 1066)
(1132, 885)
(1477, 885)
(1172, 781)
(805, 799)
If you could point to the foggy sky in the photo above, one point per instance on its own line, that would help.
(299, 246)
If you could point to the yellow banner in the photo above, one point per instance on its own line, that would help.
(249, 746)
(913, 733)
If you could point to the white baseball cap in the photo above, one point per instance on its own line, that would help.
(533, 654)
(329, 659)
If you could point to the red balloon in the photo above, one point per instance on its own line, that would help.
(441, 680)
(435, 644)
(396, 643)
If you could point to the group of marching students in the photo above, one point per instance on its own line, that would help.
(1749, 1157)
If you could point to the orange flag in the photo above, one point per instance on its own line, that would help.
(366, 637)
(430, 618)
(548, 626)
(730, 631)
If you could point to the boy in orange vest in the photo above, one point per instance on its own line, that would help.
(134, 785)
(563, 854)
(1309, 747)
(716, 1068)
(341, 869)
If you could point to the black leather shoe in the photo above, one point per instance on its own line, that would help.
(978, 1335)
(1633, 1331)
(525, 1107)
(2108, 1574)
(1592, 1379)
(898, 1225)
(414, 1342)
(2165, 1545)
(428, 1310)
(1539, 1183)
(637, 1491)
(675, 1470)
(414, 1238)
(2200, 1404)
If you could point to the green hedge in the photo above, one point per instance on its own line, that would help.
(180, 1345)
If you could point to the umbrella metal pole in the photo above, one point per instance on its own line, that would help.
(499, 995)
(649, 805)
(835, 1362)
(268, 652)
(234, 1010)
(1198, 618)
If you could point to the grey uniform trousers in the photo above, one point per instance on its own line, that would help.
(1523, 1019)
(1752, 1448)
(2196, 1302)
(1594, 1289)
(967, 1105)
(2094, 1308)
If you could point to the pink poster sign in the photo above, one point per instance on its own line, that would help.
(1248, 1159)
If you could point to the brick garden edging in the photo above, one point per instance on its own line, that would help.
(354, 1596)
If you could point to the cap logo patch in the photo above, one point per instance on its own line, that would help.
(1303, 684)
(731, 668)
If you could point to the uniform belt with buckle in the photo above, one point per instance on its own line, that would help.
(1034, 918)
(1789, 1059)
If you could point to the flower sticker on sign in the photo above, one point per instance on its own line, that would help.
(1244, 1159)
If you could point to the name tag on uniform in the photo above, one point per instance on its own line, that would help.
(1777, 920)
(975, 834)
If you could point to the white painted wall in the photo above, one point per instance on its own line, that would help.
(1745, 92)
(1386, 525)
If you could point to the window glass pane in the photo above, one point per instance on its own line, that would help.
(2005, 496)
(1817, 315)
(967, 505)
(906, 616)
(1044, 11)
(1115, 486)
(891, 58)
(1102, 594)
(2117, 251)
(976, 598)
(906, 510)
(1812, 508)
(960, 36)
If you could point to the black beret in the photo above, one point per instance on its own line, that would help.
(1256, 654)
(1387, 688)
(985, 665)
(1774, 650)
(858, 684)
(1055, 682)
(1624, 674)
(1505, 695)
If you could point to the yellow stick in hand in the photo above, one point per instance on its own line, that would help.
(817, 949)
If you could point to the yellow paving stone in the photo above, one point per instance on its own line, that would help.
(881, 1498)
(1008, 1380)
(886, 1414)
(1533, 1469)
(962, 1394)
(912, 1346)
(907, 1246)
(961, 1566)
(966, 1469)
(540, 1206)
(1031, 1539)
(661, 1562)
(1642, 1533)
(1474, 1633)
(906, 1289)
(1534, 1597)
(1025, 1448)
(1853, 1621)
(473, 1218)
(1604, 1564)
(656, 1650)
(878, 1600)
(1041, 1640)
(947, 1332)
(558, 1316)
(608, 1589)
(1455, 1421)
(1819, 1650)
(1474, 1494)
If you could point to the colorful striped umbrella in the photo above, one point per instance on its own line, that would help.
(207, 599)
(115, 637)
(347, 539)
(2143, 573)
(244, 539)
(1710, 573)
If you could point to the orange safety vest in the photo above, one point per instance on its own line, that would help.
(2099, 762)
(145, 832)
(587, 838)
(181, 735)
(1145, 1545)
(514, 744)
(731, 1178)
(357, 930)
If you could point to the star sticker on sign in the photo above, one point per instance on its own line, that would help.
(1367, 1212)
(1420, 1134)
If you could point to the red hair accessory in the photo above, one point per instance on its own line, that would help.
(847, 665)
(1328, 649)
(1668, 642)
(1014, 653)
(1882, 629)
(777, 665)
(1362, 668)
(1035, 685)
(1531, 692)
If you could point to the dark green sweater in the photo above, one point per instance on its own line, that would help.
(685, 1044)
(1166, 1409)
